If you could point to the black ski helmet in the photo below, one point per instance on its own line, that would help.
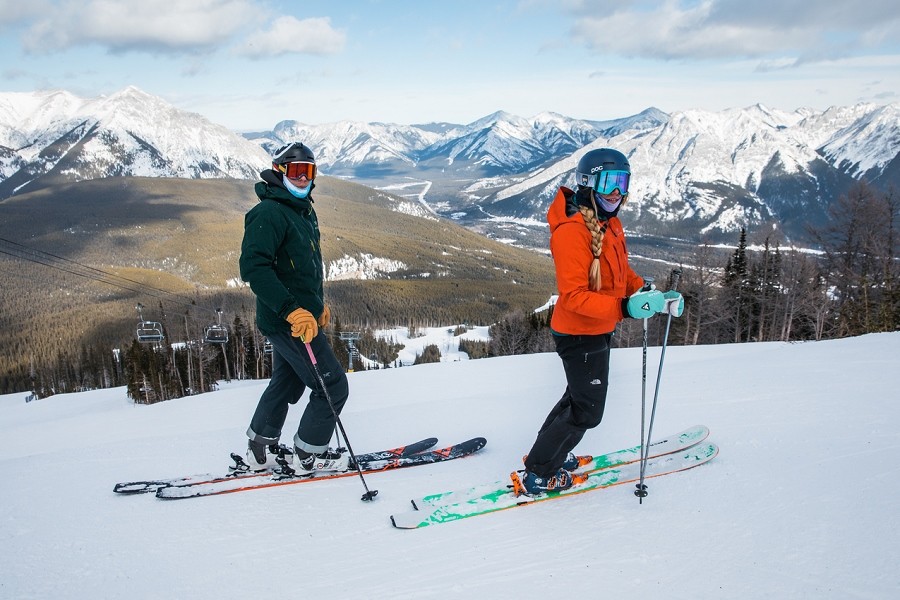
(293, 152)
(600, 159)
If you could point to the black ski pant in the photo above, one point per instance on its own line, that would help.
(585, 360)
(292, 373)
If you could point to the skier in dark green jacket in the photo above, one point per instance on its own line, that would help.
(282, 262)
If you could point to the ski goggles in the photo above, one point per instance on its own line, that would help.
(607, 181)
(296, 170)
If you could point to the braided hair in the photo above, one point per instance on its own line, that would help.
(598, 230)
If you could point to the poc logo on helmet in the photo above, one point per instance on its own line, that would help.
(597, 168)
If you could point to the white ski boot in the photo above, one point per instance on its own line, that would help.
(264, 457)
(330, 460)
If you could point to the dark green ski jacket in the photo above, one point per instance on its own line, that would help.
(280, 255)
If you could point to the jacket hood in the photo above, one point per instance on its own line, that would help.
(563, 209)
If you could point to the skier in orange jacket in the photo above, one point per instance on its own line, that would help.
(597, 289)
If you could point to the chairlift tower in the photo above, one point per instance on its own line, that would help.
(353, 353)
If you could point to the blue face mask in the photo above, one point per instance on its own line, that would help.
(296, 191)
(605, 205)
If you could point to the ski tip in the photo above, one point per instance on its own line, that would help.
(480, 442)
(408, 520)
(172, 492)
(131, 489)
(398, 523)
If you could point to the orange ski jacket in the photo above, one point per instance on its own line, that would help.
(580, 311)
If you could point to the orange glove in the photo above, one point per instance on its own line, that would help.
(325, 317)
(303, 325)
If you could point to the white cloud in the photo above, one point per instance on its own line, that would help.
(15, 11)
(155, 25)
(719, 29)
(289, 35)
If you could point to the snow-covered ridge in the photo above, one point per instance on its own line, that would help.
(500, 140)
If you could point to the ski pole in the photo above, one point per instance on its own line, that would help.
(648, 285)
(369, 495)
(641, 491)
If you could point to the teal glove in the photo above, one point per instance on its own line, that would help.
(643, 305)
(674, 303)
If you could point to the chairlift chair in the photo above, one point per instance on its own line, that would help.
(267, 346)
(148, 331)
(216, 333)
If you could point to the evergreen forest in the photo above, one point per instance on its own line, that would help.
(766, 291)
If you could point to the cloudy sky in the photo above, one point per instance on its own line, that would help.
(248, 64)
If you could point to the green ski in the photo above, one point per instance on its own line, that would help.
(504, 499)
(667, 445)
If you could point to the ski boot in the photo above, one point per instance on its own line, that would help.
(306, 463)
(573, 462)
(533, 485)
(264, 457)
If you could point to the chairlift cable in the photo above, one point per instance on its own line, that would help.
(40, 256)
(71, 272)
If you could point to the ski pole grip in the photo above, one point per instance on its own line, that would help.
(309, 351)
(648, 284)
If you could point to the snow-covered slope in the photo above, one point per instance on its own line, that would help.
(868, 140)
(800, 502)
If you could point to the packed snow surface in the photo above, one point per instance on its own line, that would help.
(800, 503)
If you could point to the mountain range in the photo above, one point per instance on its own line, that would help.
(696, 173)
(51, 137)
